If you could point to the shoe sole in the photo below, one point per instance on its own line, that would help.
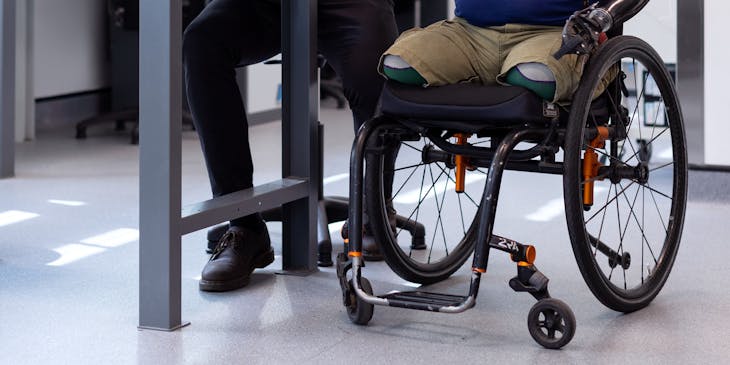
(259, 262)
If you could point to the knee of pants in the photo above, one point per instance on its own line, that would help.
(193, 41)
(200, 47)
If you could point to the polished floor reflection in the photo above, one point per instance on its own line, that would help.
(69, 276)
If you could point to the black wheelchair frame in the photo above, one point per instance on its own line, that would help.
(593, 128)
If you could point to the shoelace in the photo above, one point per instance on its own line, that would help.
(228, 240)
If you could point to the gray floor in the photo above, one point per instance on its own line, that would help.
(57, 311)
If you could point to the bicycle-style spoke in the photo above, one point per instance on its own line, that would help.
(439, 217)
(415, 210)
(409, 167)
(643, 217)
(465, 193)
(405, 182)
(618, 220)
(661, 217)
(607, 204)
(411, 147)
(649, 142)
(603, 220)
(633, 117)
(662, 166)
(657, 191)
(604, 153)
(638, 98)
(641, 227)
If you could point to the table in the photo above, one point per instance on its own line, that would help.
(162, 220)
(7, 87)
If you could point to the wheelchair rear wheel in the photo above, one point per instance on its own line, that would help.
(625, 214)
(407, 174)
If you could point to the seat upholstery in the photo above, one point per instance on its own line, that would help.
(464, 106)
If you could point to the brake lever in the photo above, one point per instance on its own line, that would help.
(578, 36)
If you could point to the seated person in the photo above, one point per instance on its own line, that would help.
(351, 34)
(506, 42)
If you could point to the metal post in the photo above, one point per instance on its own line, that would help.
(299, 125)
(7, 88)
(691, 75)
(160, 93)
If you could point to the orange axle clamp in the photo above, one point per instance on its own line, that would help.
(591, 164)
(461, 162)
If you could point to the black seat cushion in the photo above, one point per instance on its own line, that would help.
(464, 106)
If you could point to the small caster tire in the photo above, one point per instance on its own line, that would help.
(551, 323)
(360, 312)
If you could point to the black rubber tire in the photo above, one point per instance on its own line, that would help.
(399, 256)
(555, 328)
(358, 311)
(582, 226)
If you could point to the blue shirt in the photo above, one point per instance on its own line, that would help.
(486, 13)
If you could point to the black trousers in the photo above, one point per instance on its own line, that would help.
(352, 34)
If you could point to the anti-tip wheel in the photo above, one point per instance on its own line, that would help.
(359, 311)
(551, 323)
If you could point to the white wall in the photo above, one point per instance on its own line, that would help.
(717, 79)
(657, 25)
(263, 87)
(69, 46)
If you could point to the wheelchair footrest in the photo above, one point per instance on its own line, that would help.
(422, 300)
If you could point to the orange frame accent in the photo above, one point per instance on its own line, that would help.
(591, 164)
(461, 163)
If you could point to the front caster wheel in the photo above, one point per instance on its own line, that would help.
(551, 323)
(359, 311)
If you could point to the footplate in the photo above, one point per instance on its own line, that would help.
(423, 300)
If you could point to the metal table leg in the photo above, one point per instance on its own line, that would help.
(161, 223)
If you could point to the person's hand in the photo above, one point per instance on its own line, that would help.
(584, 31)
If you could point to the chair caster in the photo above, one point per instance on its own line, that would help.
(551, 323)
(358, 311)
(324, 254)
(80, 132)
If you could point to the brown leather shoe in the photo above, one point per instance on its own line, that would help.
(237, 254)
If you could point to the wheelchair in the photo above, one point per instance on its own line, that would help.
(437, 155)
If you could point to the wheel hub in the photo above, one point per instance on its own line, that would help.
(642, 173)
